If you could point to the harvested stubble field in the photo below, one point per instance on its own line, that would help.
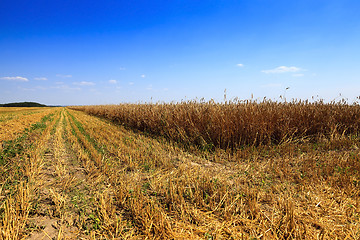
(237, 170)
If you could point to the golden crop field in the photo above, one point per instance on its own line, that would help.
(238, 170)
(235, 123)
(15, 119)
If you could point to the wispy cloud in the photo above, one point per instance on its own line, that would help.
(131, 83)
(112, 81)
(16, 79)
(41, 78)
(63, 76)
(283, 69)
(143, 76)
(240, 65)
(84, 83)
(122, 68)
(150, 87)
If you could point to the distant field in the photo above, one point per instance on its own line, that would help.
(14, 120)
(240, 170)
(18, 109)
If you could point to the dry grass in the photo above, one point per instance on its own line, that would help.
(234, 124)
(14, 121)
(305, 187)
(105, 181)
(20, 109)
(19, 164)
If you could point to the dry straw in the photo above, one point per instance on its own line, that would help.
(234, 123)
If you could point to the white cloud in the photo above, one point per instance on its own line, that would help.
(240, 65)
(63, 76)
(84, 83)
(298, 75)
(283, 69)
(112, 81)
(122, 69)
(143, 76)
(41, 78)
(149, 87)
(17, 79)
(131, 83)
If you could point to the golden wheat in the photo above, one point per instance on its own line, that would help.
(234, 124)
(92, 179)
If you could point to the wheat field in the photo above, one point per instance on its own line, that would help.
(188, 170)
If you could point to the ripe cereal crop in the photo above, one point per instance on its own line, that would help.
(235, 123)
(188, 170)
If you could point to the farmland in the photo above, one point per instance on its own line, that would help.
(190, 170)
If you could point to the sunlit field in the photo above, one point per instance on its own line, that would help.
(188, 170)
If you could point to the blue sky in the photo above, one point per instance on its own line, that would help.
(108, 52)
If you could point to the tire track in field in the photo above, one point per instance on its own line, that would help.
(54, 215)
(72, 192)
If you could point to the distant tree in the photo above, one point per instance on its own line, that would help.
(23, 104)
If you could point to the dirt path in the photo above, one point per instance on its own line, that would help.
(62, 193)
